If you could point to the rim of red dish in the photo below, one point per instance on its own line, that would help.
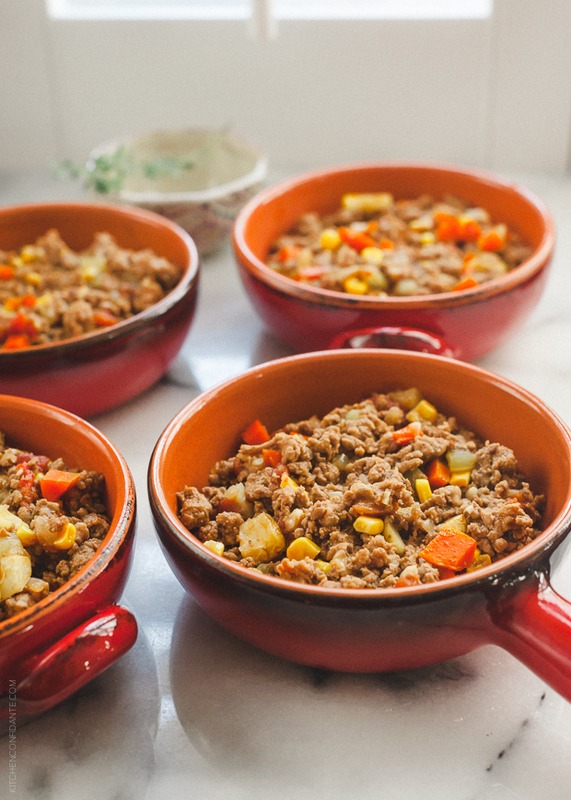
(132, 324)
(121, 524)
(174, 528)
(515, 277)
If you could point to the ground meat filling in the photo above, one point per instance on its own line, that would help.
(45, 537)
(376, 245)
(387, 492)
(49, 292)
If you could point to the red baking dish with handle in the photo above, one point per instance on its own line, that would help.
(472, 322)
(510, 603)
(55, 647)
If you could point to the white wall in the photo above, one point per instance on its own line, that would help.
(492, 93)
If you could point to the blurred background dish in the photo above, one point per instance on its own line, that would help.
(207, 176)
(101, 369)
(472, 322)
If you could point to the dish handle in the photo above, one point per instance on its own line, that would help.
(76, 659)
(394, 338)
(533, 623)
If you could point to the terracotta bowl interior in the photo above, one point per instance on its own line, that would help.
(294, 388)
(274, 211)
(78, 222)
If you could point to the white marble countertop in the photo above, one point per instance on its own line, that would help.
(191, 712)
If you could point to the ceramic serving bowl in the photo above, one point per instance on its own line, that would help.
(510, 603)
(50, 650)
(92, 373)
(472, 322)
(204, 199)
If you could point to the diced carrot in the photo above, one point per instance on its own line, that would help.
(407, 434)
(444, 573)
(448, 227)
(271, 457)
(104, 318)
(467, 283)
(6, 272)
(23, 324)
(256, 433)
(438, 473)
(289, 253)
(17, 341)
(491, 241)
(470, 231)
(358, 240)
(386, 244)
(12, 303)
(450, 549)
(56, 482)
(372, 226)
(29, 300)
(468, 257)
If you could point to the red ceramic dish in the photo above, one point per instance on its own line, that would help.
(53, 648)
(510, 604)
(98, 371)
(472, 322)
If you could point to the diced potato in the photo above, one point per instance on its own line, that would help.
(292, 520)
(235, 500)
(15, 572)
(216, 547)
(367, 201)
(458, 523)
(9, 521)
(393, 537)
(260, 538)
(9, 544)
(460, 460)
(372, 255)
(407, 398)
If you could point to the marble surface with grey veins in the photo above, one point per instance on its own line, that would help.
(191, 712)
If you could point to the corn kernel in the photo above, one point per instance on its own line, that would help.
(26, 535)
(367, 201)
(372, 255)
(16, 261)
(369, 525)
(330, 239)
(427, 238)
(324, 566)
(423, 489)
(288, 482)
(460, 478)
(216, 547)
(302, 548)
(355, 285)
(423, 223)
(33, 278)
(423, 410)
(66, 538)
(27, 254)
